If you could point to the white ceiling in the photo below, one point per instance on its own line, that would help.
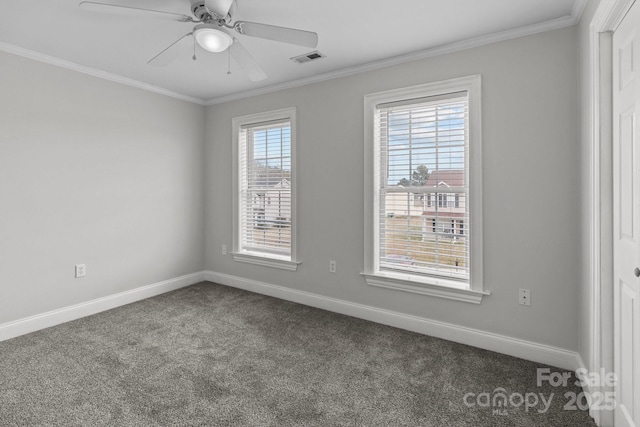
(352, 33)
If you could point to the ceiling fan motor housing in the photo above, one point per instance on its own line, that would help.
(199, 10)
(204, 14)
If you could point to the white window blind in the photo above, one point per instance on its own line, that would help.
(424, 186)
(265, 188)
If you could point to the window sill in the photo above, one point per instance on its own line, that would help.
(265, 261)
(441, 288)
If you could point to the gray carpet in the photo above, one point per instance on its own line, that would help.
(209, 355)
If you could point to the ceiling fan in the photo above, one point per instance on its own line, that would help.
(213, 31)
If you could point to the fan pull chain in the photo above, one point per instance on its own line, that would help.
(229, 62)
(194, 57)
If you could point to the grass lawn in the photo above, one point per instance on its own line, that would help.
(272, 237)
(404, 237)
(425, 249)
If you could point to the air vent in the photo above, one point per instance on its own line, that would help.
(308, 57)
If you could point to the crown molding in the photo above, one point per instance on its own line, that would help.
(578, 10)
(554, 24)
(36, 56)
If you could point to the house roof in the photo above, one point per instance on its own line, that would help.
(271, 182)
(449, 178)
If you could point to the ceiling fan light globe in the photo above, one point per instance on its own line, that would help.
(212, 39)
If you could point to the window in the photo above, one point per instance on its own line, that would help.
(442, 200)
(264, 189)
(425, 141)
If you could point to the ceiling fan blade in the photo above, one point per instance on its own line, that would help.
(247, 62)
(219, 7)
(279, 34)
(132, 11)
(170, 53)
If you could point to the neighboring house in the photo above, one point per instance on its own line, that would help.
(272, 205)
(441, 212)
(402, 203)
(445, 212)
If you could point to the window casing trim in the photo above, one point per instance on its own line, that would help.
(405, 281)
(438, 287)
(258, 258)
(263, 258)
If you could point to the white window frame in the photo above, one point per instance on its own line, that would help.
(254, 257)
(472, 292)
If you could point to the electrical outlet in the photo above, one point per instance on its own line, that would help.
(224, 249)
(332, 266)
(81, 270)
(525, 297)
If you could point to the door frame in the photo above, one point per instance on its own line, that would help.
(606, 19)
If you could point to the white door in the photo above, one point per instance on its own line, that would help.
(626, 227)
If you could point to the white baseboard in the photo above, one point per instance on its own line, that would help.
(528, 350)
(66, 314)
(588, 389)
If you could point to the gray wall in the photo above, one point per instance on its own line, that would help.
(98, 173)
(531, 195)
